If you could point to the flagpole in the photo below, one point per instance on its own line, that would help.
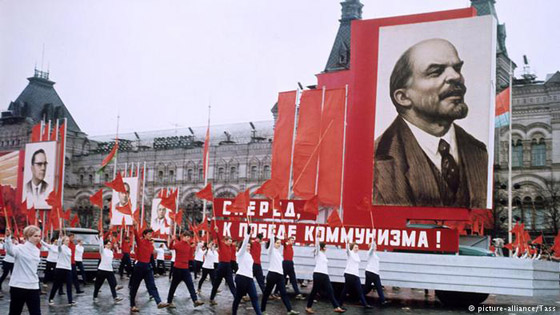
(290, 184)
(176, 209)
(205, 166)
(510, 210)
(143, 192)
(343, 150)
(116, 153)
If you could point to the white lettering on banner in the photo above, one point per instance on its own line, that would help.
(370, 235)
(332, 235)
(359, 236)
(395, 238)
(290, 210)
(276, 213)
(227, 228)
(423, 239)
(382, 237)
(251, 208)
(408, 240)
(309, 235)
(225, 210)
(263, 208)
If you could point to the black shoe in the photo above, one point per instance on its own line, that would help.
(385, 303)
(80, 292)
(368, 306)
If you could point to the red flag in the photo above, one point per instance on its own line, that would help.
(36, 133)
(241, 202)
(126, 209)
(538, 240)
(123, 223)
(330, 154)
(307, 143)
(556, 245)
(502, 102)
(110, 157)
(202, 227)
(97, 199)
(334, 219)
(53, 200)
(205, 151)
(75, 221)
(312, 206)
(268, 189)
(170, 201)
(179, 217)
(136, 216)
(66, 214)
(282, 144)
(117, 184)
(206, 193)
(32, 216)
(364, 205)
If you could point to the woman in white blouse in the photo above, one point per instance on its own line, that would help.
(24, 283)
(244, 283)
(372, 274)
(210, 257)
(352, 274)
(321, 278)
(63, 271)
(52, 257)
(7, 264)
(105, 270)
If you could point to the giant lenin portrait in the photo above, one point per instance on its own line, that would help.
(428, 153)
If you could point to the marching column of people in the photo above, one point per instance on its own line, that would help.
(25, 286)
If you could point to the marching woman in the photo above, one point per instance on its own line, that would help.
(173, 254)
(52, 257)
(372, 274)
(7, 263)
(181, 272)
(160, 258)
(24, 283)
(275, 276)
(224, 266)
(210, 257)
(143, 269)
(105, 270)
(352, 275)
(256, 247)
(244, 283)
(321, 278)
(198, 259)
(63, 270)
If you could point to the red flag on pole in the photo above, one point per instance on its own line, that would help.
(109, 157)
(241, 202)
(36, 133)
(334, 219)
(32, 216)
(312, 206)
(206, 193)
(66, 215)
(75, 221)
(117, 184)
(170, 201)
(268, 189)
(538, 240)
(126, 209)
(97, 199)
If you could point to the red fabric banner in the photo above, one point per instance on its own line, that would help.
(282, 144)
(36, 133)
(334, 219)
(97, 199)
(117, 184)
(268, 189)
(330, 152)
(312, 206)
(502, 102)
(111, 155)
(241, 202)
(206, 193)
(264, 209)
(306, 147)
(170, 201)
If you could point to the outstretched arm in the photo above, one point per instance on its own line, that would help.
(8, 245)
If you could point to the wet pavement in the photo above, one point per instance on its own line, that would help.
(403, 301)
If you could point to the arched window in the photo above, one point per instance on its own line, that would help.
(233, 173)
(160, 176)
(517, 154)
(538, 153)
(200, 174)
(254, 170)
(106, 177)
(189, 175)
(90, 178)
(81, 179)
(171, 176)
(266, 172)
(221, 173)
(540, 214)
(526, 211)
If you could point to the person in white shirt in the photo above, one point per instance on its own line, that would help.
(79, 257)
(198, 259)
(244, 283)
(7, 264)
(173, 254)
(321, 278)
(160, 259)
(105, 270)
(352, 275)
(210, 257)
(372, 274)
(24, 283)
(52, 257)
(275, 276)
(63, 270)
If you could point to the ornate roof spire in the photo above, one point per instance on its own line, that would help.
(339, 58)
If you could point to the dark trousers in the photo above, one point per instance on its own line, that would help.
(100, 278)
(181, 275)
(258, 274)
(224, 271)
(75, 278)
(372, 279)
(80, 267)
(161, 267)
(197, 268)
(49, 272)
(234, 266)
(171, 269)
(62, 276)
(205, 273)
(125, 265)
(352, 282)
(31, 297)
(289, 271)
(245, 285)
(275, 279)
(321, 281)
(143, 271)
(6, 270)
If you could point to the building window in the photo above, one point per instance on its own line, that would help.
(81, 179)
(200, 174)
(189, 175)
(266, 172)
(221, 173)
(233, 173)
(160, 176)
(106, 177)
(253, 174)
(90, 177)
(171, 175)
(517, 154)
(538, 154)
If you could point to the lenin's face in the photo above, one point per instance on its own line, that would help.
(39, 167)
(436, 89)
(161, 212)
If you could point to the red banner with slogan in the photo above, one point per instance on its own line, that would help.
(262, 209)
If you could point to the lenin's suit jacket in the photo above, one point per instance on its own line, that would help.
(403, 173)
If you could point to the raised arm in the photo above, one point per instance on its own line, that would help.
(371, 249)
(271, 244)
(8, 245)
(243, 248)
(59, 244)
(101, 246)
(347, 249)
